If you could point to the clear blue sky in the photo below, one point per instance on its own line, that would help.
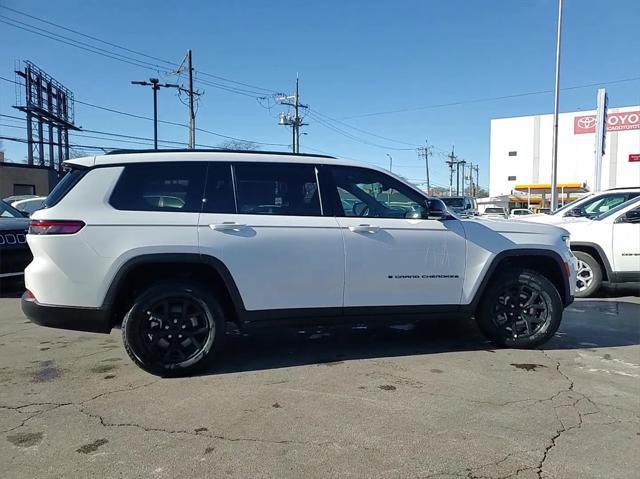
(353, 58)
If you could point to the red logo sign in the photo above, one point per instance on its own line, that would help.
(628, 120)
(635, 157)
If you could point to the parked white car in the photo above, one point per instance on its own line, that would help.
(30, 205)
(587, 207)
(519, 213)
(607, 247)
(172, 245)
(495, 212)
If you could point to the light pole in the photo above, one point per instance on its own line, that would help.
(390, 162)
(556, 92)
(155, 85)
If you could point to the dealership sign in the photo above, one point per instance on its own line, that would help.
(628, 120)
(634, 157)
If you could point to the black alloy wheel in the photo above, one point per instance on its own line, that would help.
(173, 329)
(521, 308)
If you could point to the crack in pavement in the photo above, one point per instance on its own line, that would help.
(194, 433)
(59, 405)
(580, 415)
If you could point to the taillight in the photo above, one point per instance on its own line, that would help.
(55, 227)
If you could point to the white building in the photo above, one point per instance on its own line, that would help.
(520, 156)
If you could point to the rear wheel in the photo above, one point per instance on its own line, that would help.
(589, 275)
(520, 309)
(173, 328)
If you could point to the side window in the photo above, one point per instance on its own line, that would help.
(160, 187)
(364, 192)
(219, 194)
(277, 189)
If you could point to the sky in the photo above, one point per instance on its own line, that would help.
(407, 70)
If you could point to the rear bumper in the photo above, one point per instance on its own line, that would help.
(94, 320)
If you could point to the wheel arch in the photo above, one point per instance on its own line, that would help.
(138, 272)
(598, 254)
(547, 262)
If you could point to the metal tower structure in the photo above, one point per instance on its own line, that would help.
(49, 109)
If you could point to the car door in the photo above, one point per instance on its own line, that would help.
(626, 242)
(394, 257)
(282, 253)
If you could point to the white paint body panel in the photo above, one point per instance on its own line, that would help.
(398, 261)
(277, 262)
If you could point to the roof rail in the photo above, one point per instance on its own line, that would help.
(211, 150)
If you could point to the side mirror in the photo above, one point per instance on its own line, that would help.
(436, 209)
(632, 216)
(574, 213)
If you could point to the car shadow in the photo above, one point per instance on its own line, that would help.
(586, 324)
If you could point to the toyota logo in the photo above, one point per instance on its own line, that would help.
(587, 122)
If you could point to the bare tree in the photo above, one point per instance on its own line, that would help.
(239, 145)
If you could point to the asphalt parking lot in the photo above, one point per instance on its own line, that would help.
(428, 400)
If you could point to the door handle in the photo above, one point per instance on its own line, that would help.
(227, 226)
(364, 228)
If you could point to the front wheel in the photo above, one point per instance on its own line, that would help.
(173, 328)
(520, 309)
(589, 275)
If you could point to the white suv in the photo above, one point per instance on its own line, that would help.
(589, 206)
(171, 245)
(607, 247)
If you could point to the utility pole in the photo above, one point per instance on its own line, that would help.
(425, 152)
(155, 85)
(462, 162)
(295, 121)
(453, 160)
(556, 93)
(474, 183)
(390, 162)
(192, 113)
(191, 93)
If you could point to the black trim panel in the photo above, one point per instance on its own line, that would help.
(625, 277)
(93, 320)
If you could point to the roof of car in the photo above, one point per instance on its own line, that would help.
(117, 157)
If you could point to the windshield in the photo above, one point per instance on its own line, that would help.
(494, 210)
(615, 210)
(7, 211)
(453, 202)
(571, 205)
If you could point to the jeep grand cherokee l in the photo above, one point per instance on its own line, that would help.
(171, 245)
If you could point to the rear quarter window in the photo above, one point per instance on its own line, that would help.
(177, 187)
(64, 186)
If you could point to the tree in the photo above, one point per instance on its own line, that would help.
(77, 153)
(239, 145)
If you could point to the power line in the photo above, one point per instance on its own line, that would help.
(117, 56)
(171, 64)
(119, 137)
(92, 147)
(353, 137)
(488, 99)
(328, 118)
(183, 125)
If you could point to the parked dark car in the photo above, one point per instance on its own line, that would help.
(14, 251)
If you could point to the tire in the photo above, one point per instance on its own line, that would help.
(503, 314)
(589, 275)
(174, 328)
